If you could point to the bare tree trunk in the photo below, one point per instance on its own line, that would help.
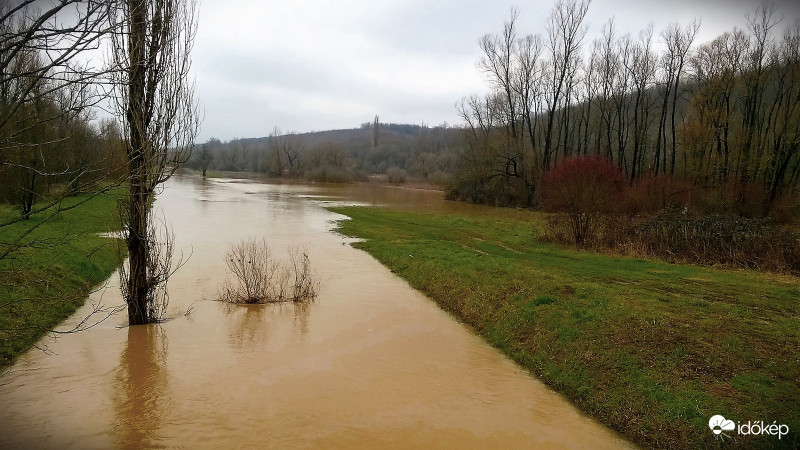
(137, 203)
(565, 35)
(681, 41)
(151, 50)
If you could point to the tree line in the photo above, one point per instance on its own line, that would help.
(723, 113)
(49, 146)
(421, 152)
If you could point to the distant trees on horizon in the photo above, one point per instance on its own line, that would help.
(425, 153)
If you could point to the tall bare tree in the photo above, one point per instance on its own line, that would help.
(607, 72)
(642, 69)
(679, 40)
(528, 86)
(760, 23)
(151, 51)
(497, 65)
(565, 31)
(511, 65)
(783, 119)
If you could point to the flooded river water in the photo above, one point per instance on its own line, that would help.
(370, 363)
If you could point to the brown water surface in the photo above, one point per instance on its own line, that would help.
(370, 363)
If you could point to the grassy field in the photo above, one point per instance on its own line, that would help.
(41, 286)
(649, 348)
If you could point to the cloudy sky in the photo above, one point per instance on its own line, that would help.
(306, 65)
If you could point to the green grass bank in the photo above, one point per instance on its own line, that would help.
(46, 282)
(651, 349)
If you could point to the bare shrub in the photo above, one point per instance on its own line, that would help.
(260, 278)
(584, 188)
(708, 239)
(653, 193)
(329, 174)
(496, 191)
(304, 286)
(396, 175)
(439, 178)
(159, 247)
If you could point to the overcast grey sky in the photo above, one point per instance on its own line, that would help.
(306, 65)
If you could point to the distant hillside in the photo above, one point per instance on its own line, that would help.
(349, 137)
(400, 150)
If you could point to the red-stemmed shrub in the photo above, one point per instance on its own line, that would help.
(584, 188)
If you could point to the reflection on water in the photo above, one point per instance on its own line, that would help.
(253, 324)
(301, 313)
(142, 387)
(370, 363)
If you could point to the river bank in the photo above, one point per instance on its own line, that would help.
(649, 348)
(58, 265)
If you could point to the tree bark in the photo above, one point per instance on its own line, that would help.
(137, 202)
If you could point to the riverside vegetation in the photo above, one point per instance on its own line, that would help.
(649, 348)
(61, 261)
(261, 278)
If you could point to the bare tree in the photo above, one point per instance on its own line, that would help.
(511, 65)
(327, 153)
(565, 32)
(481, 118)
(204, 158)
(606, 75)
(678, 41)
(528, 82)
(622, 86)
(208, 152)
(151, 51)
(293, 148)
(45, 99)
(642, 69)
(496, 64)
(760, 24)
(716, 66)
(783, 119)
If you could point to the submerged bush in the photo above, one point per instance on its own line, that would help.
(439, 178)
(396, 174)
(262, 279)
(489, 190)
(329, 174)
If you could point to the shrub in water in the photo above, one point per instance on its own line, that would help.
(396, 175)
(262, 279)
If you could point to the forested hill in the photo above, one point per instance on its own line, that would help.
(348, 137)
(403, 150)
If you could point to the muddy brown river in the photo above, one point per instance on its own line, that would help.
(371, 363)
